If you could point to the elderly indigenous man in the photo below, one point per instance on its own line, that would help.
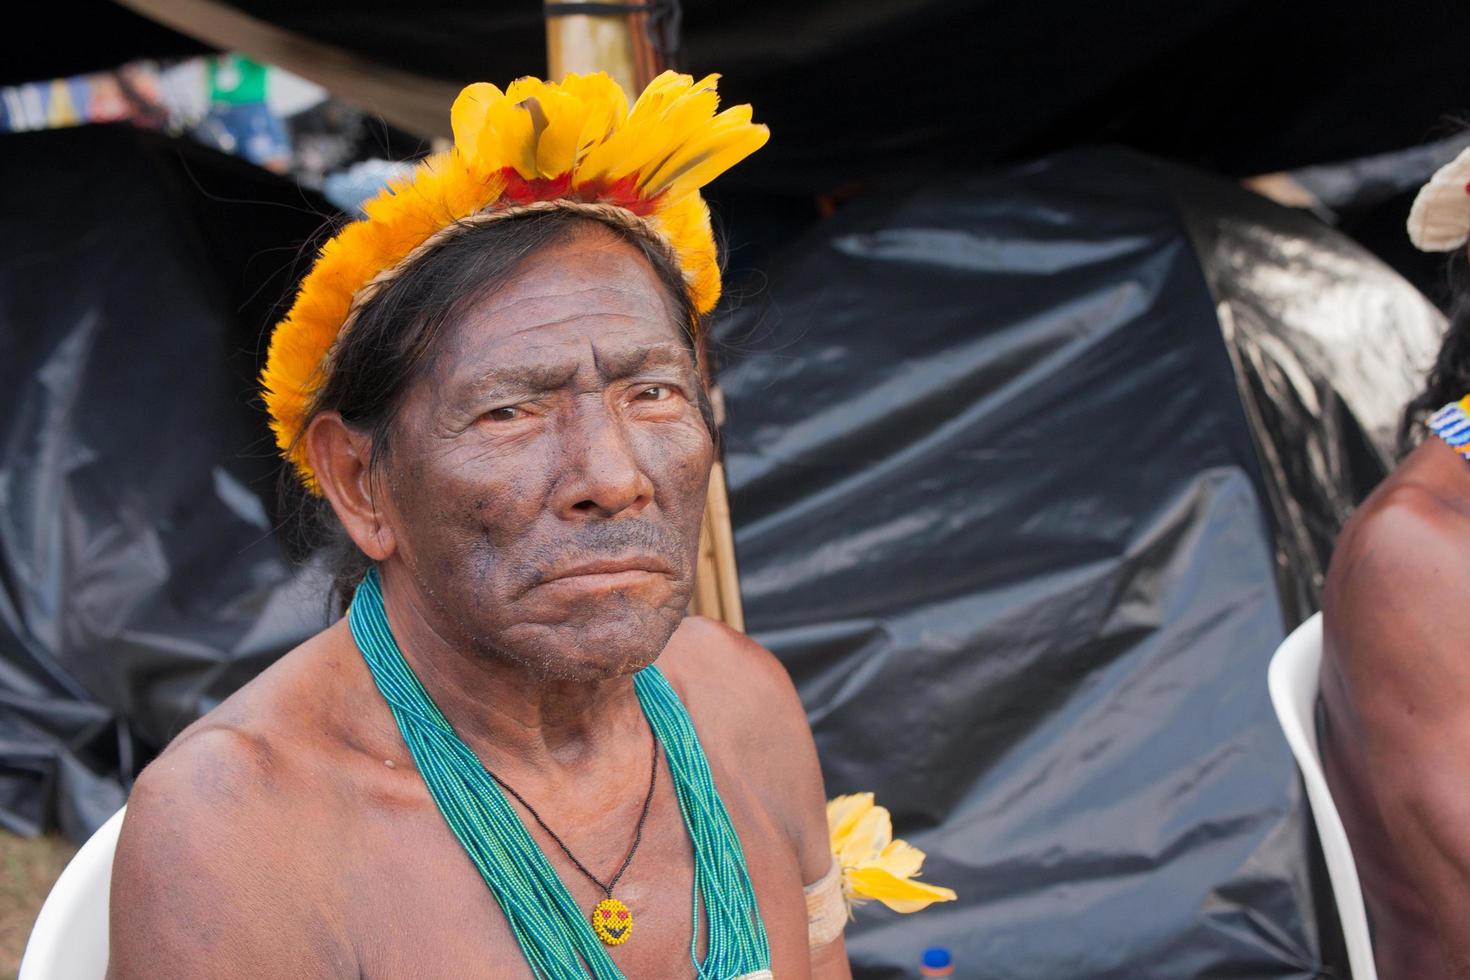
(1396, 660)
(516, 756)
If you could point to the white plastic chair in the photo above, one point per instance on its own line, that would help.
(1294, 682)
(69, 940)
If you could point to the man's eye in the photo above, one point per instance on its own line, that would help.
(503, 414)
(654, 393)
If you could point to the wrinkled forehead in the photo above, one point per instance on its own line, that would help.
(592, 298)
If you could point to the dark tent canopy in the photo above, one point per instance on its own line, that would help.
(860, 88)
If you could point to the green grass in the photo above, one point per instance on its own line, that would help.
(28, 869)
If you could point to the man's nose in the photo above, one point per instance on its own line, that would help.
(602, 476)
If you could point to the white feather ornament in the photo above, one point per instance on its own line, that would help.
(1439, 221)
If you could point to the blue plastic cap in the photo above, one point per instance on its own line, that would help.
(937, 958)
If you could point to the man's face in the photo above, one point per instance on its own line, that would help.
(547, 477)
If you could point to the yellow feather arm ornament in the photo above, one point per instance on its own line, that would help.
(536, 142)
(874, 865)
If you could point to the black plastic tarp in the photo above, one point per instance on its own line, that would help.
(1019, 465)
(1328, 345)
(1001, 509)
(141, 579)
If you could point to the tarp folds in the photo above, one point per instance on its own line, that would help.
(1000, 509)
(140, 577)
(1329, 345)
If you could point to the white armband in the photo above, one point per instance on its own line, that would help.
(826, 911)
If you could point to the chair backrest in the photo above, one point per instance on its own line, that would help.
(69, 940)
(1293, 679)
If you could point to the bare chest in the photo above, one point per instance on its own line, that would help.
(415, 905)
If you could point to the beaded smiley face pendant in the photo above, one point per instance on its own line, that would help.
(612, 922)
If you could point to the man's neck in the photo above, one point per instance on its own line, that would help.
(513, 716)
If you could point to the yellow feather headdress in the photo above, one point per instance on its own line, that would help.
(536, 146)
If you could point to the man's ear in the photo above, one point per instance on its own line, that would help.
(341, 457)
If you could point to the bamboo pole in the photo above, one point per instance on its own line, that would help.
(599, 41)
(721, 566)
(614, 39)
(706, 598)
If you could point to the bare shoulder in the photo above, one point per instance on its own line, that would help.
(213, 863)
(256, 744)
(1396, 679)
(702, 644)
(1398, 571)
(1396, 609)
(731, 679)
(741, 696)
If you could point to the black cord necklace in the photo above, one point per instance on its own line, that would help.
(611, 919)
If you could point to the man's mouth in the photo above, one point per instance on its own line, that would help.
(608, 574)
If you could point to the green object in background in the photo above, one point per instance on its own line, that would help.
(236, 80)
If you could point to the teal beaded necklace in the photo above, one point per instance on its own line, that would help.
(553, 933)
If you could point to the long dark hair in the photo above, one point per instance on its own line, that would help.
(396, 337)
(1449, 379)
